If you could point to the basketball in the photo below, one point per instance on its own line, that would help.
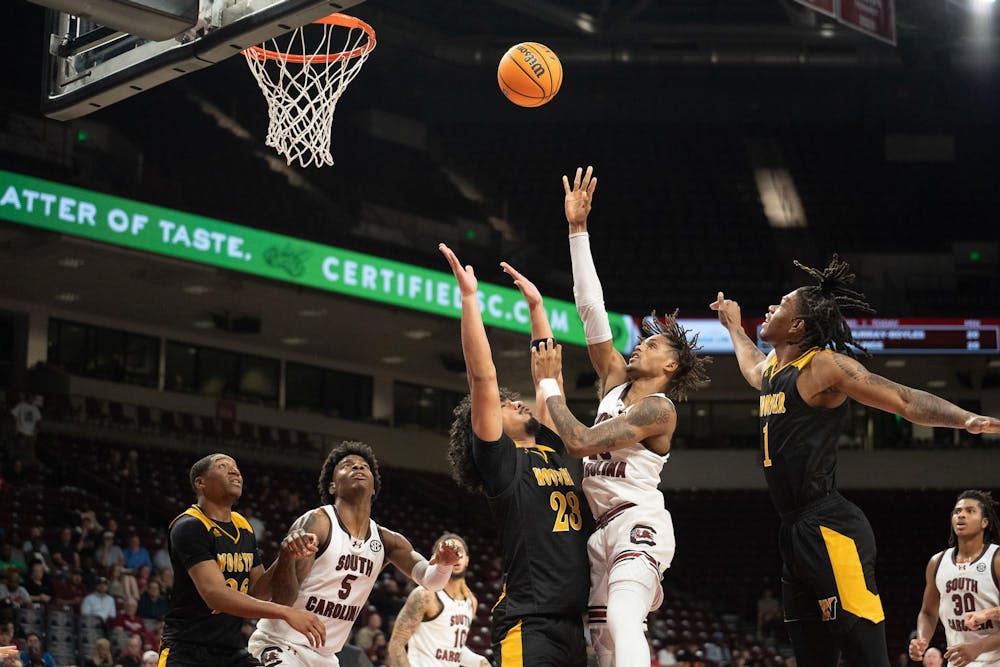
(530, 74)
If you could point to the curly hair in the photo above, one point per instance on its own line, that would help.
(821, 306)
(988, 506)
(692, 370)
(338, 453)
(460, 437)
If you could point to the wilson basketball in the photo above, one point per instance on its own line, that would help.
(530, 74)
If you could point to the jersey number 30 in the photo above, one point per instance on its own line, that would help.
(567, 507)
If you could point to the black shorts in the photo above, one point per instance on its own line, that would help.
(539, 641)
(183, 654)
(828, 574)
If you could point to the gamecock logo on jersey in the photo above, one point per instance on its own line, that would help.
(643, 535)
(270, 656)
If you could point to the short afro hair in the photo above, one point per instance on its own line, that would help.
(336, 455)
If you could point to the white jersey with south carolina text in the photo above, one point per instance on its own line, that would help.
(968, 587)
(439, 641)
(627, 475)
(336, 589)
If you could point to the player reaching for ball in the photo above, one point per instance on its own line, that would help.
(828, 580)
(624, 452)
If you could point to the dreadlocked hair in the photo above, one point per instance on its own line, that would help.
(460, 436)
(692, 370)
(988, 506)
(821, 307)
(336, 455)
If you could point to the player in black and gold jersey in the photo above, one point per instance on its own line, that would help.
(219, 578)
(828, 579)
(499, 449)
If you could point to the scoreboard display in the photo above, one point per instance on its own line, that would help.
(921, 335)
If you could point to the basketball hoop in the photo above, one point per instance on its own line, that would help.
(303, 83)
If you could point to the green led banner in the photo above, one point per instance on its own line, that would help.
(123, 222)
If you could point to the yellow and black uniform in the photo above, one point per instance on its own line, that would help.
(193, 634)
(826, 543)
(543, 523)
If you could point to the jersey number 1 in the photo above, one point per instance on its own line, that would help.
(767, 456)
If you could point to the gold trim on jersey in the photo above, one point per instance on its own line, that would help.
(511, 650)
(162, 662)
(799, 362)
(238, 521)
(850, 577)
(503, 594)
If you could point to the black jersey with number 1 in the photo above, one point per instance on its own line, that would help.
(194, 538)
(798, 441)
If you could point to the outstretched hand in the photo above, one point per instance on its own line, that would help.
(464, 276)
(9, 652)
(449, 552)
(982, 424)
(729, 311)
(528, 290)
(579, 198)
(546, 360)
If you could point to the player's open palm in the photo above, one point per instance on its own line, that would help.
(464, 276)
(528, 290)
(546, 360)
(308, 624)
(962, 654)
(579, 198)
(448, 552)
(981, 424)
(728, 310)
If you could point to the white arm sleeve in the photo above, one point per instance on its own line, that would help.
(587, 290)
(470, 659)
(431, 577)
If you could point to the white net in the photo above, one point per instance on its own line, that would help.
(302, 75)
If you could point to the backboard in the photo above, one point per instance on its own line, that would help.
(89, 66)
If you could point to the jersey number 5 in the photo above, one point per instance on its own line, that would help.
(567, 507)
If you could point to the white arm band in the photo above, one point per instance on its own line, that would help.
(587, 290)
(470, 659)
(549, 388)
(431, 577)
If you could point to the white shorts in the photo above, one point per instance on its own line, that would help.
(634, 535)
(273, 652)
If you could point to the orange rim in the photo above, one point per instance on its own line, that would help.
(342, 20)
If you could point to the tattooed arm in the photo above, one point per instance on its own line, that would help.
(841, 373)
(419, 605)
(652, 416)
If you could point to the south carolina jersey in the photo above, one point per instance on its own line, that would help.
(337, 587)
(968, 587)
(439, 640)
(627, 475)
(798, 442)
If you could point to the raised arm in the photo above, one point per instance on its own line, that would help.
(479, 368)
(431, 575)
(652, 417)
(419, 605)
(540, 330)
(928, 617)
(749, 357)
(587, 290)
(846, 375)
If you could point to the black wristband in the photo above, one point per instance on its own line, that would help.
(540, 341)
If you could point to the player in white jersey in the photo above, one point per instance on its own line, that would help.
(342, 552)
(432, 628)
(625, 450)
(963, 581)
